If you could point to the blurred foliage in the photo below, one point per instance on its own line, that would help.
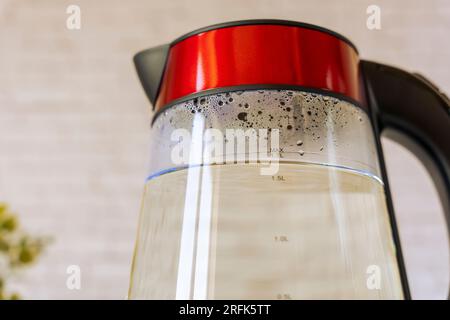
(17, 249)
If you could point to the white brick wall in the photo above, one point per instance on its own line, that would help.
(74, 121)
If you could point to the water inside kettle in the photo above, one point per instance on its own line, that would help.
(227, 232)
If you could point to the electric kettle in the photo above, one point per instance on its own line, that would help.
(266, 178)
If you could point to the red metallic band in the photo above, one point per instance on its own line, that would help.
(260, 55)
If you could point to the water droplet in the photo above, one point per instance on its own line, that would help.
(242, 116)
(301, 152)
(321, 148)
(299, 142)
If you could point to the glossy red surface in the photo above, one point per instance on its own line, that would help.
(260, 55)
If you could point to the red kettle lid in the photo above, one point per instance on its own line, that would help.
(252, 54)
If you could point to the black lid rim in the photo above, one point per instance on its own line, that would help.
(265, 22)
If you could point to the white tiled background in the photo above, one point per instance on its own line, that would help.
(74, 124)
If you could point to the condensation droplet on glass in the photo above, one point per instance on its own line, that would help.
(299, 142)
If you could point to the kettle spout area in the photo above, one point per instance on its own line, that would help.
(150, 65)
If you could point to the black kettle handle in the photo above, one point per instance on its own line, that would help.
(412, 111)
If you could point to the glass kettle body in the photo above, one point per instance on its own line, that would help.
(266, 178)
